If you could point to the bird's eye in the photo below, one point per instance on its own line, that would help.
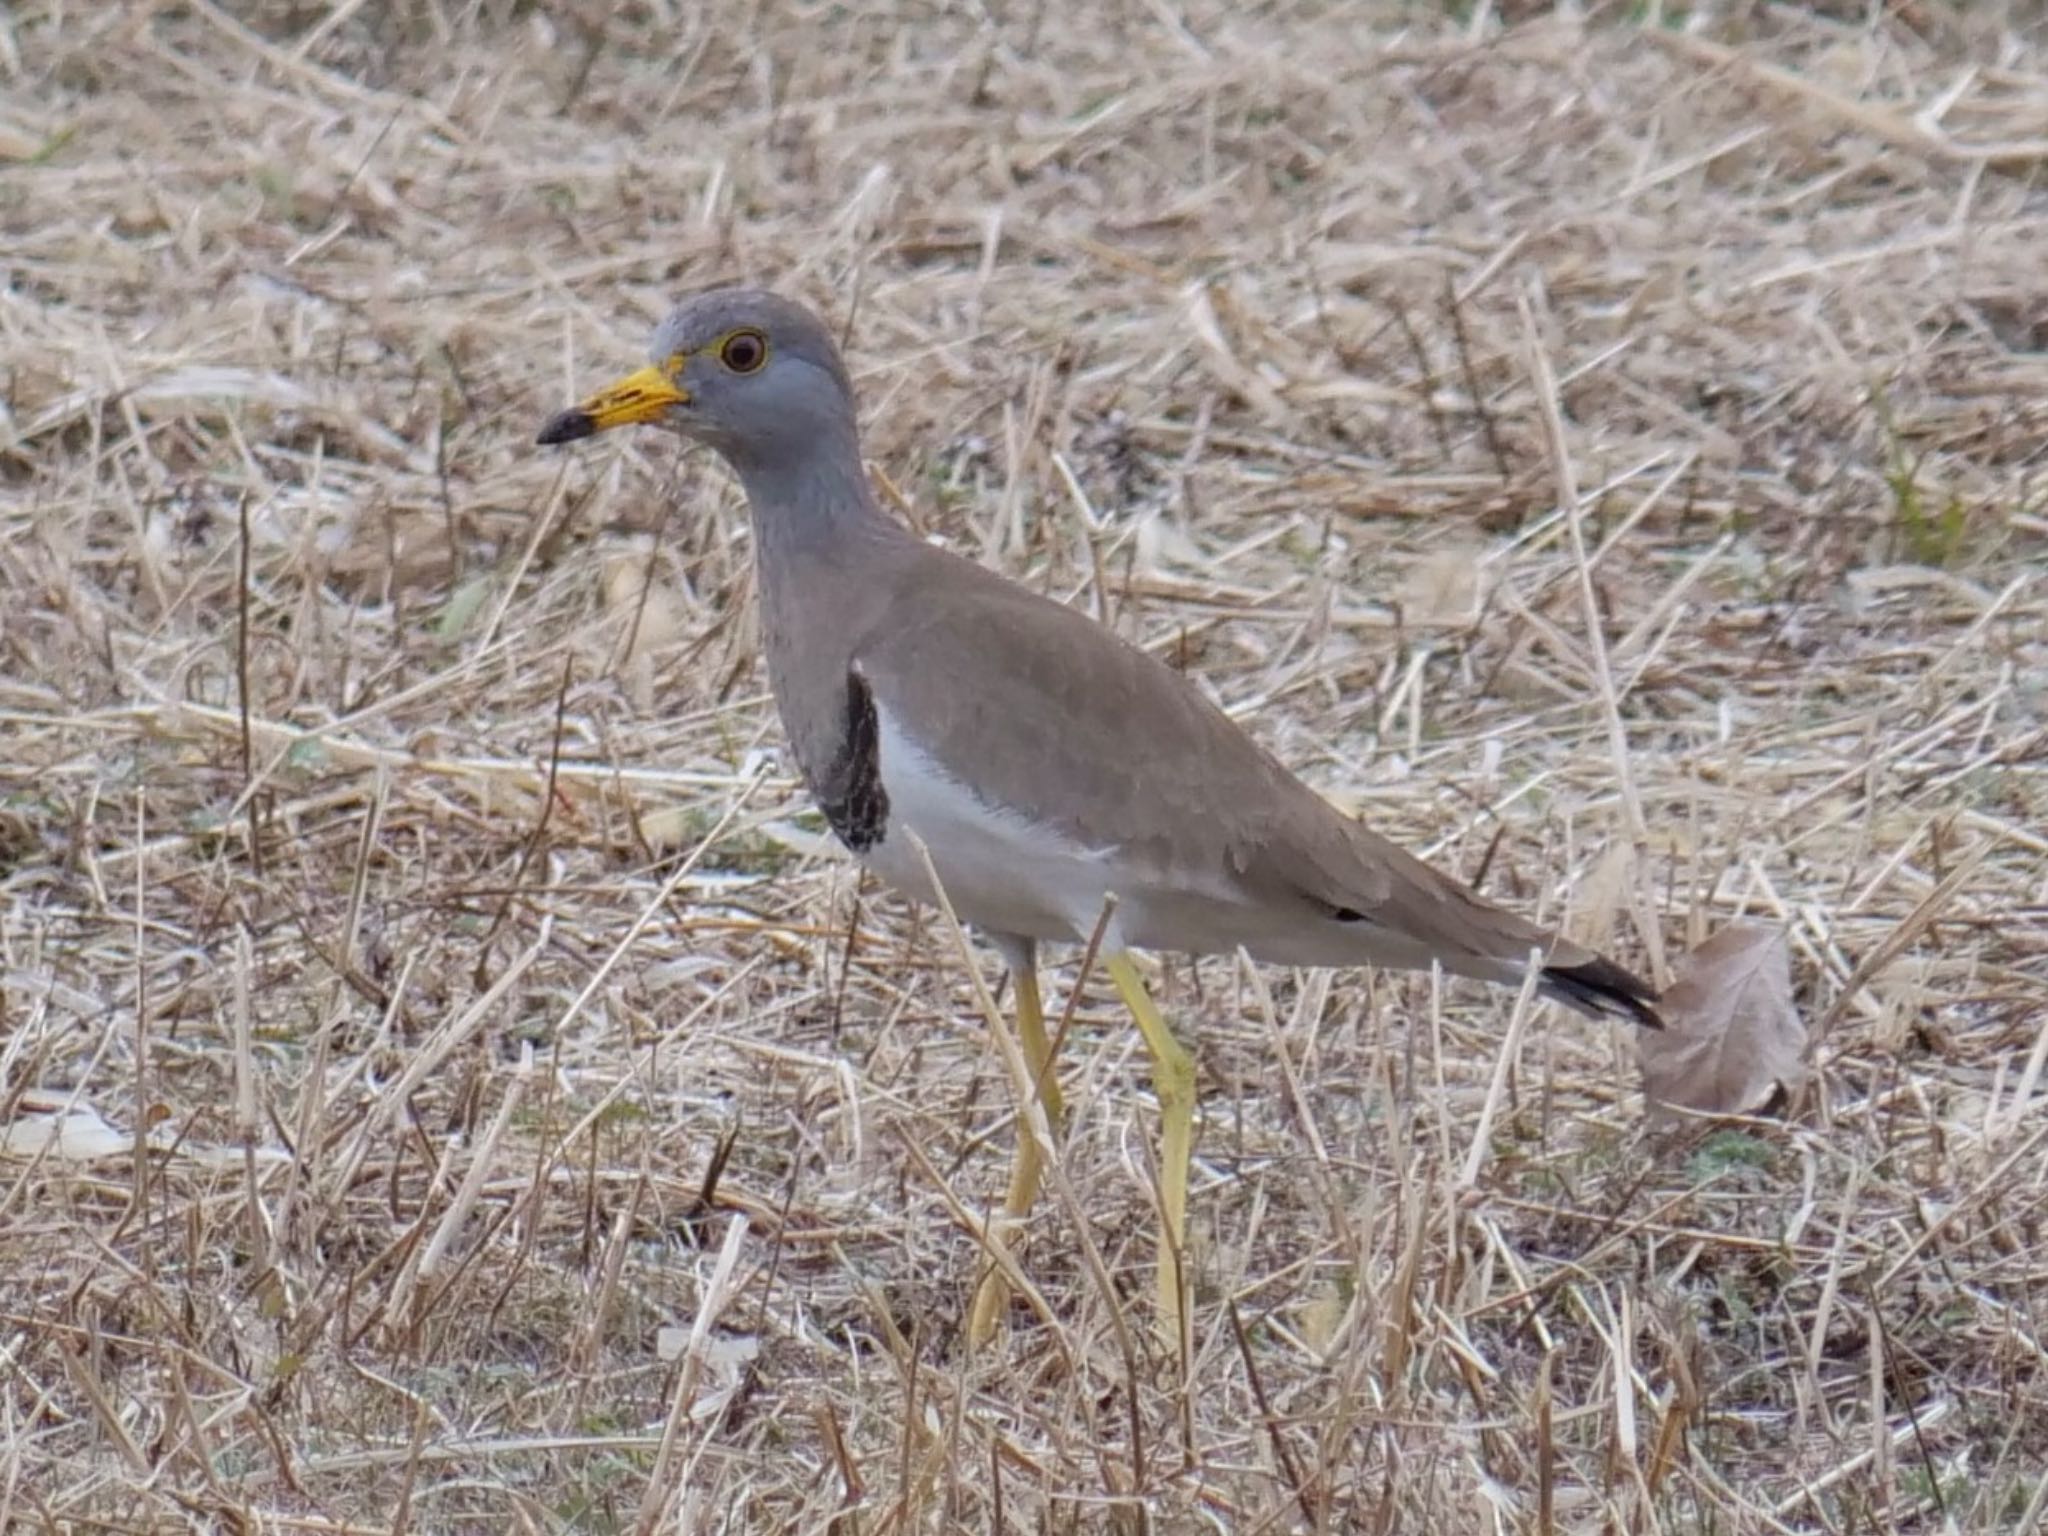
(744, 351)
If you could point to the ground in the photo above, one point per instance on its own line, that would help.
(1605, 446)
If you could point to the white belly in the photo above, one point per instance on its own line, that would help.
(1002, 872)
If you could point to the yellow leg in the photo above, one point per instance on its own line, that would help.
(1025, 1171)
(1173, 1079)
(1038, 1056)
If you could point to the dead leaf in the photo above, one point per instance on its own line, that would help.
(76, 1134)
(1599, 894)
(1208, 305)
(650, 615)
(1322, 1317)
(1732, 1037)
(645, 602)
(671, 827)
(20, 143)
(728, 1361)
(57, 1124)
(1445, 589)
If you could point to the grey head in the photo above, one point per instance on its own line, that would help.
(752, 374)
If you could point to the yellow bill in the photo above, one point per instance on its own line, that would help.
(638, 398)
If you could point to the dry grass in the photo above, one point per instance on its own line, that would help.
(393, 861)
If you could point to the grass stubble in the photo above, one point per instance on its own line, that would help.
(1609, 451)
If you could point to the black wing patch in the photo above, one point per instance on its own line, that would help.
(850, 792)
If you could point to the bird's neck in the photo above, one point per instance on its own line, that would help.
(819, 534)
(812, 500)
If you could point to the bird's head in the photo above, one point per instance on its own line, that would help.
(754, 375)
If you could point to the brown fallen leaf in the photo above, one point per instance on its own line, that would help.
(1446, 589)
(649, 612)
(1732, 1037)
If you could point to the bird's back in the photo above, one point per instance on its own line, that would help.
(1069, 736)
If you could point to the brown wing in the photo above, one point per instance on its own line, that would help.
(1141, 759)
(1146, 764)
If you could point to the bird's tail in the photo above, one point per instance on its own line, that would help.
(1602, 989)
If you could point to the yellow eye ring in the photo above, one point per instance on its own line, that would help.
(744, 351)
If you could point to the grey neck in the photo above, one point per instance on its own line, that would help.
(812, 499)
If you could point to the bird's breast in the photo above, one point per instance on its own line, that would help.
(1001, 870)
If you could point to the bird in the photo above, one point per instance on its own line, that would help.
(954, 725)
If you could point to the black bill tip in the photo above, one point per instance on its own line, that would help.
(566, 427)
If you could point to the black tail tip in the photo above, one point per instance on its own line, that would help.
(1604, 990)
